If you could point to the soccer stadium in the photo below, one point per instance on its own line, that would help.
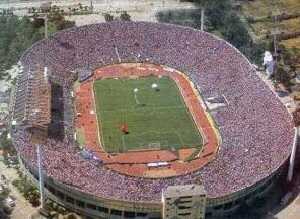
(148, 120)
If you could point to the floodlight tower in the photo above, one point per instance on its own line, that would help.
(46, 9)
(296, 120)
(40, 166)
(275, 16)
(38, 123)
(38, 138)
(275, 13)
(46, 26)
(275, 21)
(7, 4)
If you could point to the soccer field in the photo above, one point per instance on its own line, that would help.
(160, 120)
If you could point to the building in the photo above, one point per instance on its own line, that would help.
(184, 202)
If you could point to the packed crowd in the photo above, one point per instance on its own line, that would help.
(256, 128)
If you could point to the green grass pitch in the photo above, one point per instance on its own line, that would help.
(160, 120)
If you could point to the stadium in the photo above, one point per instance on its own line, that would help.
(114, 146)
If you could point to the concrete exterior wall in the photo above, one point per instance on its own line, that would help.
(98, 207)
(188, 208)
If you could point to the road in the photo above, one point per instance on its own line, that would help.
(139, 10)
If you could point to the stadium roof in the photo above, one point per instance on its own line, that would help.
(32, 99)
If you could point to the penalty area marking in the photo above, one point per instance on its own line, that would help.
(158, 107)
(124, 144)
(153, 144)
(179, 136)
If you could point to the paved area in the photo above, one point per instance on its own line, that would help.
(23, 209)
(139, 10)
(287, 100)
(291, 211)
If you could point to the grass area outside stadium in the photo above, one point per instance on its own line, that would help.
(161, 120)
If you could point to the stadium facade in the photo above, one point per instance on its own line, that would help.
(255, 127)
(98, 207)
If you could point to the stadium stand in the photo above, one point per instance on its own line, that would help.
(33, 99)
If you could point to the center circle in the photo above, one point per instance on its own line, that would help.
(142, 109)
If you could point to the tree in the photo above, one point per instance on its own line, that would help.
(16, 35)
(233, 31)
(4, 209)
(38, 22)
(108, 17)
(5, 143)
(86, 8)
(125, 16)
(71, 216)
(4, 193)
(63, 24)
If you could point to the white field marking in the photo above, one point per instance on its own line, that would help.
(191, 112)
(149, 142)
(124, 144)
(100, 136)
(168, 69)
(180, 139)
(156, 132)
(152, 145)
(157, 81)
(160, 107)
(153, 69)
